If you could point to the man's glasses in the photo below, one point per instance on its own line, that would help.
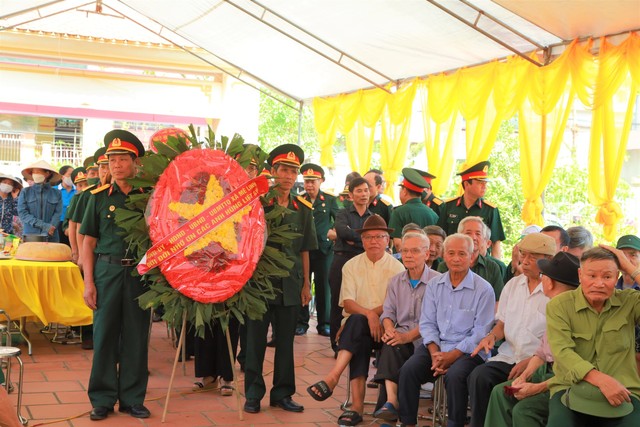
(375, 237)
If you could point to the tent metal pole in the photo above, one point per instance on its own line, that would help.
(23, 11)
(42, 16)
(485, 33)
(316, 51)
(237, 77)
(502, 24)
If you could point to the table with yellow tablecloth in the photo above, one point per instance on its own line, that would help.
(50, 291)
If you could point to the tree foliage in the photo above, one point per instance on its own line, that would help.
(278, 124)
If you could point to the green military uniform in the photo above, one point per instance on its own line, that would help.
(412, 210)
(502, 265)
(485, 268)
(454, 210)
(431, 200)
(81, 203)
(434, 203)
(382, 207)
(325, 209)
(119, 371)
(343, 197)
(506, 411)
(120, 325)
(282, 311)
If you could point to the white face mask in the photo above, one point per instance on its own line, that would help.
(67, 181)
(6, 188)
(38, 178)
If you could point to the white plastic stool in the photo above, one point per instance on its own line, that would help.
(8, 353)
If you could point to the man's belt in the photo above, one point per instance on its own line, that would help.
(125, 262)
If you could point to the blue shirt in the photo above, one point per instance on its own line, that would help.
(66, 199)
(457, 318)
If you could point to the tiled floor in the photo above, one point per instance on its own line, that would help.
(56, 378)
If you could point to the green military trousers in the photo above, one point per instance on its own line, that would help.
(120, 332)
(283, 320)
(508, 411)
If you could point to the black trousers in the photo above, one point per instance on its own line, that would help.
(481, 383)
(212, 352)
(417, 371)
(391, 360)
(356, 339)
(335, 283)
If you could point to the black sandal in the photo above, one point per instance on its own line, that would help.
(349, 418)
(322, 391)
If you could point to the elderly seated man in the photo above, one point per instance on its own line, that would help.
(489, 270)
(457, 311)
(591, 334)
(364, 286)
(520, 321)
(525, 400)
(400, 317)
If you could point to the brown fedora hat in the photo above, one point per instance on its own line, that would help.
(374, 222)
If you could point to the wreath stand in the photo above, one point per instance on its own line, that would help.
(181, 349)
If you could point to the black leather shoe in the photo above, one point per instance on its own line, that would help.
(287, 404)
(252, 406)
(300, 331)
(136, 411)
(325, 332)
(99, 413)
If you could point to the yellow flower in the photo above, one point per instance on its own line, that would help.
(224, 234)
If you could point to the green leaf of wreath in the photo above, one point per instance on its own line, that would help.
(251, 302)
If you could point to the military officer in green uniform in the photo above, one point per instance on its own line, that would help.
(471, 203)
(294, 291)
(119, 371)
(97, 174)
(79, 179)
(325, 208)
(377, 204)
(412, 209)
(428, 198)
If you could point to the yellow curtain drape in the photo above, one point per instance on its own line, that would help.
(542, 121)
(439, 129)
(360, 147)
(487, 95)
(394, 138)
(617, 78)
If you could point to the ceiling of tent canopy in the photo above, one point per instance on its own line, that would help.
(303, 48)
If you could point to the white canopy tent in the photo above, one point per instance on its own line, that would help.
(309, 48)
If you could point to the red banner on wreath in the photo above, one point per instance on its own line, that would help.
(203, 223)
